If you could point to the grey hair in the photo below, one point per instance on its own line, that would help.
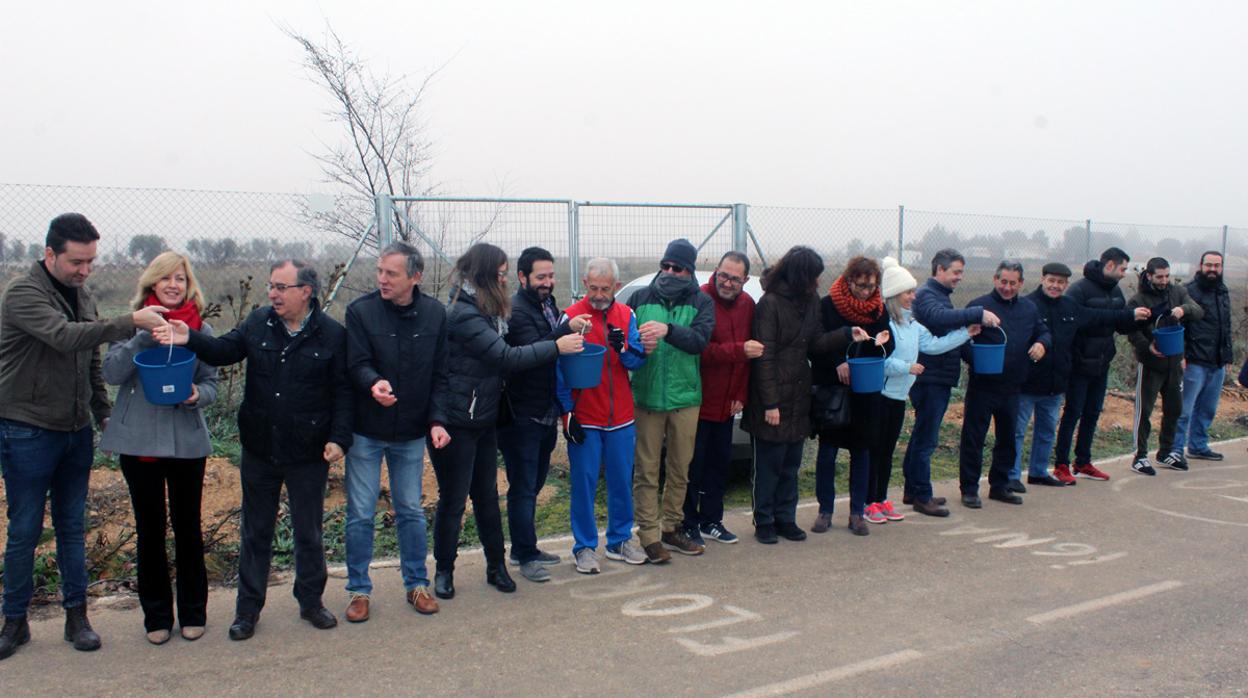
(1009, 265)
(305, 274)
(415, 261)
(601, 266)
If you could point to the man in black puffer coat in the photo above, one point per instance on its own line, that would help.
(1209, 357)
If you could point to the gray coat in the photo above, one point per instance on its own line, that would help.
(139, 428)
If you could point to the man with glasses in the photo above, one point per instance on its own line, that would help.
(1209, 357)
(676, 322)
(296, 419)
(725, 372)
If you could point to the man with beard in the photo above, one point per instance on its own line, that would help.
(725, 369)
(1093, 351)
(676, 324)
(1209, 357)
(528, 435)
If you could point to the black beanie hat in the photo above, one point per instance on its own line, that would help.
(681, 252)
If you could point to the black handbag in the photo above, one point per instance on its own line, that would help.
(829, 406)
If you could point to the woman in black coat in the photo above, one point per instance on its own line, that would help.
(853, 300)
(478, 357)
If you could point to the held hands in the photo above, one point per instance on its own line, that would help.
(438, 436)
(859, 335)
(194, 398)
(916, 369)
(615, 338)
(1036, 352)
(172, 332)
(772, 416)
(579, 323)
(753, 349)
(736, 407)
(1177, 313)
(975, 329)
(149, 318)
(333, 452)
(383, 393)
(570, 344)
(842, 372)
(991, 319)
(1142, 314)
(882, 338)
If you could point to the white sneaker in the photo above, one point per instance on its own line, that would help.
(586, 561)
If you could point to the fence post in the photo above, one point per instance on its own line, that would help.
(385, 221)
(574, 249)
(901, 235)
(1224, 242)
(1087, 245)
(740, 239)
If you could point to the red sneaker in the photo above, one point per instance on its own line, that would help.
(874, 514)
(1090, 471)
(1062, 472)
(886, 508)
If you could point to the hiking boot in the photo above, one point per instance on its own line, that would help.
(931, 508)
(822, 523)
(716, 531)
(873, 514)
(422, 601)
(626, 552)
(1061, 473)
(858, 525)
(656, 554)
(1004, 495)
(766, 534)
(886, 508)
(586, 561)
(1016, 486)
(1174, 461)
(16, 633)
(1143, 466)
(543, 558)
(678, 541)
(1091, 472)
(694, 534)
(1204, 455)
(1046, 480)
(535, 571)
(78, 629)
(357, 608)
(790, 531)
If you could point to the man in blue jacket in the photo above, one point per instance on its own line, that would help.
(934, 310)
(994, 396)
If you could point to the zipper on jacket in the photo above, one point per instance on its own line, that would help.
(472, 406)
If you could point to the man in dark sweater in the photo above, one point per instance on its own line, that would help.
(1209, 357)
(994, 396)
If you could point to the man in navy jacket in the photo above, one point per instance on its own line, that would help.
(934, 310)
(995, 396)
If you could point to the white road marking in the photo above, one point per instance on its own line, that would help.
(733, 644)
(819, 678)
(667, 605)
(1103, 602)
(738, 615)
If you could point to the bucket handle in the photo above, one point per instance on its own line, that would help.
(853, 345)
(1005, 339)
(1157, 322)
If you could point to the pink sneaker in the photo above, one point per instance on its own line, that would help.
(874, 513)
(886, 508)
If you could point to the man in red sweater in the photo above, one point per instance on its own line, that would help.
(725, 369)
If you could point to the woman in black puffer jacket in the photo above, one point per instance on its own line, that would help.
(478, 357)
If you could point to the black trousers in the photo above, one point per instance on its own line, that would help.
(708, 473)
(882, 458)
(980, 407)
(184, 481)
(467, 467)
(774, 493)
(1148, 383)
(262, 482)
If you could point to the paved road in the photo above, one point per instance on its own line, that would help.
(1135, 586)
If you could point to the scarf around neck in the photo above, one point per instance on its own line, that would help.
(852, 309)
(187, 312)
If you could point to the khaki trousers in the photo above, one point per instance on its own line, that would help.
(680, 427)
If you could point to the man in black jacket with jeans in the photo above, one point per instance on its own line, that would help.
(294, 421)
(994, 397)
(1209, 357)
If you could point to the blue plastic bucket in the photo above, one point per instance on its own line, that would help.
(866, 375)
(583, 370)
(1169, 339)
(166, 375)
(989, 359)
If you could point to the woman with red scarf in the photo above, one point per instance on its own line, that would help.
(853, 301)
(164, 447)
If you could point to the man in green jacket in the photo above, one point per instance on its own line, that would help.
(50, 387)
(675, 320)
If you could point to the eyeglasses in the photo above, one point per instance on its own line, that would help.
(729, 278)
(502, 275)
(674, 268)
(864, 287)
(281, 288)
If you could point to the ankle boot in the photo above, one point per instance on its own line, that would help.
(444, 584)
(78, 630)
(16, 633)
(496, 576)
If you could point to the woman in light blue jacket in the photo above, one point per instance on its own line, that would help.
(900, 369)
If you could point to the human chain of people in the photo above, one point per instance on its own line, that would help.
(647, 392)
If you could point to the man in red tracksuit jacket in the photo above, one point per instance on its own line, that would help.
(725, 369)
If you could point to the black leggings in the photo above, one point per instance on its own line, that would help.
(882, 454)
(467, 467)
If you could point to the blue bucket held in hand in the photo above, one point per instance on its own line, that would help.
(583, 370)
(1169, 339)
(166, 374)
(866, 375)
(989, 359)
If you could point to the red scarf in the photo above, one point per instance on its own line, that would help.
(852, 309)
(187, 312)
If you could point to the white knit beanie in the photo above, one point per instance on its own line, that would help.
(896, 279)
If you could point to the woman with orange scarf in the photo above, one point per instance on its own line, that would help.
(853, 300)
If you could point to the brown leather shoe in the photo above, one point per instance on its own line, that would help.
(858, 525)
(357, 610)
(822, 523)
(422, 601)
(938, 501)
(656, 554)
(931, 508)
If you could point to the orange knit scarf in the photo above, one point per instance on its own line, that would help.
(852, 309)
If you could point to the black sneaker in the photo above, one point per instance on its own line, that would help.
(790, 531)
(716, 531)
(1174, 461)
(1204, 455)
(1016, 486)
(694, 534)
(1143, 466)
(766, 534)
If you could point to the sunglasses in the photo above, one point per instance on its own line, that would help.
(674, 268)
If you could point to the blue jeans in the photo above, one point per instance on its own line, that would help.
(526, 446)
(1202, 388)
(859, 478)
(1045, 408)
(930, 402)
(1085, 397)
(612, 450)
(405, 461)
(37, 463)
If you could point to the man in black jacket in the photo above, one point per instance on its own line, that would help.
(1094, 350)
(994, 396)
(1209, 357)
(294, 421)
(1048, 378)
(396, 357)
(528, 436)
